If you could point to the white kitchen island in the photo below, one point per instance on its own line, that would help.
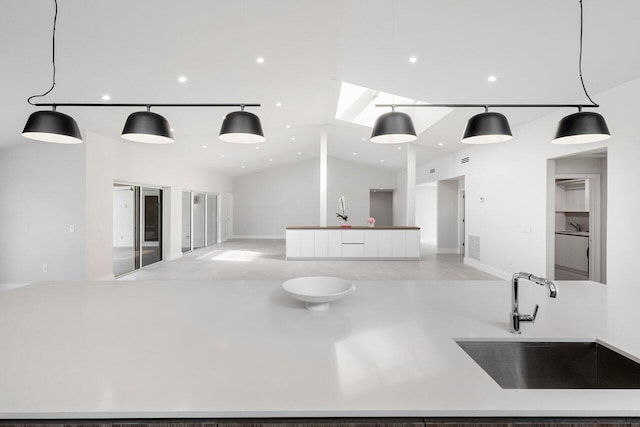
(172, 349)
(353, 243)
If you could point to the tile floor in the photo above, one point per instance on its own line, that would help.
(265, 259)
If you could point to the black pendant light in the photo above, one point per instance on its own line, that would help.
(581, 128)
(487, 128)
(52, 126)
(242, 127)
(147, 127)
(393, 128)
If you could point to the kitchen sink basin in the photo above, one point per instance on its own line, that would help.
(554, 365)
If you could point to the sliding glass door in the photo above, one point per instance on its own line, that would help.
(199, 220)
(137, 227)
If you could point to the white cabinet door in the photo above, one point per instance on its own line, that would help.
(307, 244)
(563, 250)
(385, 243)
(399, 247)
(293, 243)
(335, 243)
(321, 243)
(412, 248)
(371, 244)
(579, 253)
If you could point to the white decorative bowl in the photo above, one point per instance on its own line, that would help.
(317, 292)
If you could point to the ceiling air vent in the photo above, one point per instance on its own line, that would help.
(464, 160)
(432, 171)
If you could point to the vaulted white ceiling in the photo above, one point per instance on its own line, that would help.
(135, 50)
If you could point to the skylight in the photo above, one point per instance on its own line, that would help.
(356, 104)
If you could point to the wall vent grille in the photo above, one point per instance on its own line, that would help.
(432, 171)
(474, 247)
(464, 160)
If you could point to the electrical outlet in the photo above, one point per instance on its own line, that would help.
(45, 268)
(72, 228)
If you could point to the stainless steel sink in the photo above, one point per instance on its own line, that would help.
(548, 365)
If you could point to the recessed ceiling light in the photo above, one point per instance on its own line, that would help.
(182, 79)
(413, 59)
(259, 59)
(399, 148)
(293, 138)
(299, 153)
(243, 166)
(440, 144)
(355, 154)
(288, 126)
(492, 78)
(364, 139)
(172, 129)
(204, 146)
(106, 98)
(278, 104)
(257, 148)
(221, 155)
(382, 161)
(271, 160)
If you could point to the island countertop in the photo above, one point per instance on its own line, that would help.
(355, 227)
(172, 349)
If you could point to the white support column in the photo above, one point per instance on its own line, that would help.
(411, 186)
(323, 178)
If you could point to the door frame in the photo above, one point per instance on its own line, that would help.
(595, 221)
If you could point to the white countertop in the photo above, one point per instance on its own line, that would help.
(246, 349)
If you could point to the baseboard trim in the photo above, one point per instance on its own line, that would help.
(260, 237)
(9, 286)
(487, 268)
(448, 251)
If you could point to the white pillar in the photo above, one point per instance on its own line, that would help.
(411, 186)
(323, 178)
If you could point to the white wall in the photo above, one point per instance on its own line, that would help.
(400, 199)
(426, 212)
(42, 193)
(111, 159)
(512, 179)
(267, 202)
(354, 181)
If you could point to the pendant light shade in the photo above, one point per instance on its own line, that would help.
(487, 128)
(147, 127)
(52, 126)
(242, 127)
(581, 128)
(393, 128)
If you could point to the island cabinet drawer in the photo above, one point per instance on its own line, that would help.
(353, 236)
(353, 250)
(412, 243)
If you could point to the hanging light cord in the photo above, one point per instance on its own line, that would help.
(580, 58)
(53, 56)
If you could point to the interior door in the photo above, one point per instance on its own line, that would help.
(151, 225)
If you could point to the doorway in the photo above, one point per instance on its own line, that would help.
(381, 206)
(137, 227)
(578, 228)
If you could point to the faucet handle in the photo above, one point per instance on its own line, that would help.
(530, 317)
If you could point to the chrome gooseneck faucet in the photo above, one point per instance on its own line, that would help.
(515, 317)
